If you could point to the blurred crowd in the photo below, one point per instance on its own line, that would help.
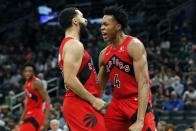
(163, 126)
(171, 60)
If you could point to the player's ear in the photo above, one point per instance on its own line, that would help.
(118, 27)
(74, 21)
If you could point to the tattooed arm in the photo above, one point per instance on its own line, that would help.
(137, 52)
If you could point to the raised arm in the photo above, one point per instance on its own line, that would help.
(137, 52)
(72, 56)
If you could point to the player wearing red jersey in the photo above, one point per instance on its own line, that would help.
(33, 116)
(124, 62)
(82, 103)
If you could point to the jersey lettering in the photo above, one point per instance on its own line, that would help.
(116, 81)
(115, 61)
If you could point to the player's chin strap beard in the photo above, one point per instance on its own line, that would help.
(83, 31)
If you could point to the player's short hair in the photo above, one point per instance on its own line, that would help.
(119, 14)
(29, 64)
(66, 16)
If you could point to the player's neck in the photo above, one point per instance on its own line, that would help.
(72, 33)
(120, 37)
(30, 78)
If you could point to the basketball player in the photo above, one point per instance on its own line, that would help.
(124, 62)
(35, 95)
(82, 103)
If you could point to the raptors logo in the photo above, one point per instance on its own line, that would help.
(90, 120)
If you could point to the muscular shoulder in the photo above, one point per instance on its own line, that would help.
(74, 47)
(37, 84)
(136, 48)
(135, 44)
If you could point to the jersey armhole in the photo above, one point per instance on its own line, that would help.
(126, 45)
(63, 44)
(106, 50)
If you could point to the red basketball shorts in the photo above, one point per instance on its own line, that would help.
(33, 120)
(81, 116)
(121, 113)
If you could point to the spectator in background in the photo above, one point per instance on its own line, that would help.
(65, 128)
(189, 129)
(8, 99)
(177, 85)
(170, 127)
(161, 126)
(165, 45)
(189, 96)
(54, 125)
(174, 104)
(2, 125)
(194, 126)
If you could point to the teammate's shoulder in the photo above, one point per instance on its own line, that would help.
(135, 42)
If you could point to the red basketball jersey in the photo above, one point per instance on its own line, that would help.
(87, 74)
(32, 97)
(119, 65)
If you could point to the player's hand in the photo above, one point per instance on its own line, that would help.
(98, 104)
(103, 111)
(137, 126)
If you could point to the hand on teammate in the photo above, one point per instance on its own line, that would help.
(98, 104)
(103, 111)
(137, 126)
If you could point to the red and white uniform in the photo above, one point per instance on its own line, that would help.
(79, 114)
(122, 111)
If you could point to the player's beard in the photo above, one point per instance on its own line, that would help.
(83, 31)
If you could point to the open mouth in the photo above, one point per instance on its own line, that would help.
(104, 35)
